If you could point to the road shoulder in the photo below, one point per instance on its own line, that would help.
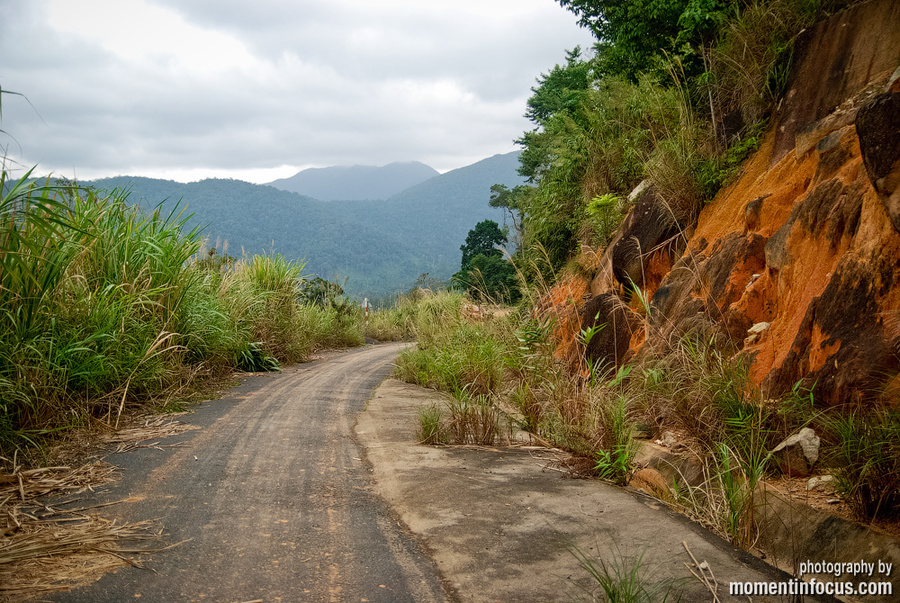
(501, 522)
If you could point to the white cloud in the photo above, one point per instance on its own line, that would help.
(143, 34)
(187, 89)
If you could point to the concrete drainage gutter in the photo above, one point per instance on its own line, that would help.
(792, 533)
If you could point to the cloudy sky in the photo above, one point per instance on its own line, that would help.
(258, 90)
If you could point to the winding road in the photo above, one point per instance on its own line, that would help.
(272, 500)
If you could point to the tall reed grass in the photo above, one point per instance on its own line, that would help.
(452, 354)
(103, 305)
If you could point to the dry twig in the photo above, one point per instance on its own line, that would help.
(709, 582)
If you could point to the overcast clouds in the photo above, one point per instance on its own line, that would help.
(257, 90)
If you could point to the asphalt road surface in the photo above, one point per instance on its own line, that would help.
(272, 499)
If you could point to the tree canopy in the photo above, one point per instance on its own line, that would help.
(485, 240)
(634, 35)
(484, 272)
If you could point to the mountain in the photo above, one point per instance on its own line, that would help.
(356, 182)
(380, 246)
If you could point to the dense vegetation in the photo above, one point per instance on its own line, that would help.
(676, 92)
(484, 272)
(103, 305)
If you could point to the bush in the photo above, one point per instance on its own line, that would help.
(465, 359)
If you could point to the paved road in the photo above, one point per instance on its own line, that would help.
(274, 497)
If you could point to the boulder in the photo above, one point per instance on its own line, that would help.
(652, 482)
(843, 343)
(649, 225)
(609, 345)
(819, 481)
(797, 455)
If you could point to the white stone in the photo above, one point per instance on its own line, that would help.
(640, 188)
(758, 328)
(815, 482)
(808, 441)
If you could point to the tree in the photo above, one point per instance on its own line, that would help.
(636, 35)
(484, 273)
(320, 292)
(511, 201)
(559, 96)
(560, 90)
(484, 239)
(632, 34)
(492, 277)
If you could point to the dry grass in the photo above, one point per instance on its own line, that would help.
(25, 486)
(473, 420)
(56, 544)
(65, 551)
(153, 427)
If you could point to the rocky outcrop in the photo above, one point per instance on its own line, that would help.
(615, 324)
(878, 127)
(650, 228)
(805, 241)
(833, 62)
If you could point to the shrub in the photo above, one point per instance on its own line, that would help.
(617, 445)
(473, 419)
(431, 429)
(467, 358)
(624, 579)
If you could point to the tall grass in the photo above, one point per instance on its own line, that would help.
(422, 314)
(865, 455)
(467, 358)
(103, 305)
(453, 354)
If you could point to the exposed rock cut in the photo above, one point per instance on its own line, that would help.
(807, 242)
(878, 125)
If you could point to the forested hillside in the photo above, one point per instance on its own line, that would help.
(382, 246)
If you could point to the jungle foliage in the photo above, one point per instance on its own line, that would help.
(104, 306)
(677, 92)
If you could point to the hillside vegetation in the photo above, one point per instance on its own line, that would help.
(676, 92)
(709, 256)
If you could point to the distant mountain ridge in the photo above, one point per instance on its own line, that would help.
(358, 182)
(381, 246)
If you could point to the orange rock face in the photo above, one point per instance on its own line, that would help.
(562, 305)
(803, 240)
(825, 281)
